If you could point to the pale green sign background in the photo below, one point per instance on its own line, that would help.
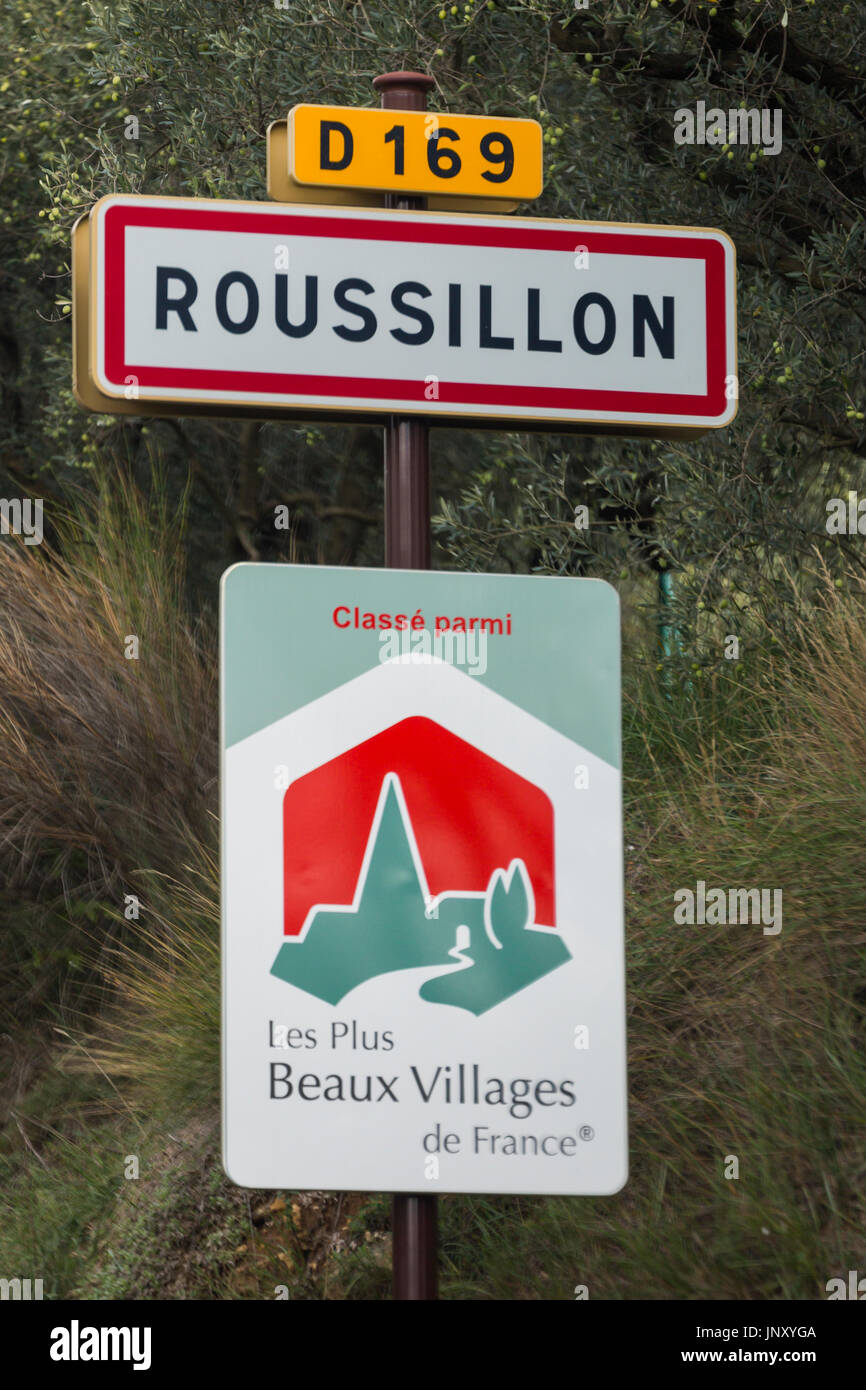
(281, 648)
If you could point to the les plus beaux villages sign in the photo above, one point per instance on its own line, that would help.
(422, 910)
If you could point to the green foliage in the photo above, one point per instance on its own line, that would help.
(748, 771)
(107, 765)
(204, 81)
(56, 1176)
(175, 1231)
(739, 1044)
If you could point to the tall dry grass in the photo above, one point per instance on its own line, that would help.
(752, 775)
(108, 766)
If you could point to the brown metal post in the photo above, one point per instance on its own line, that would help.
(407, 449)
(407, 546)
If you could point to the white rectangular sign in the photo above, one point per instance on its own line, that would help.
(351, 311)
(423, 962)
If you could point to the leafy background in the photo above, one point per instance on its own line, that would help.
(737, 772)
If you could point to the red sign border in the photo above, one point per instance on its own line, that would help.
(374, 393)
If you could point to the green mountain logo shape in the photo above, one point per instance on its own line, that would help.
(484, 946)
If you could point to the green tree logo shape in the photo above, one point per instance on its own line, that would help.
(505, 951)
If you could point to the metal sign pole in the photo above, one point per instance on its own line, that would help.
(407, 546)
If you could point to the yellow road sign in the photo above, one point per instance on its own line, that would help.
(497, 158)
(283, 189)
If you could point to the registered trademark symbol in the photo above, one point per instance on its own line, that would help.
(586, 1132)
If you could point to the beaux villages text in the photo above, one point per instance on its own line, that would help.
(448, 1083)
